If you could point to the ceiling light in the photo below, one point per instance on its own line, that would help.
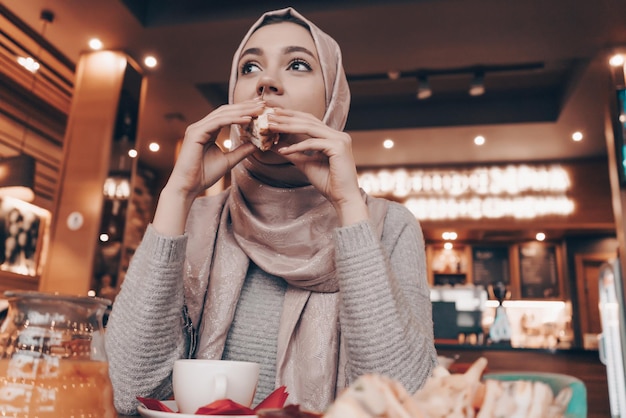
(423, 88)
(540, 236)
(29, 63)
(154, 147)
(477, 86)
(448, 246)
(150, 61)
(388, 143)
(616, 60)
(95, 44)
(577, 136)
(479, 140)
(449, 236)
(132, 153)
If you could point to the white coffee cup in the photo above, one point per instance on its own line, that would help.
(198, 382)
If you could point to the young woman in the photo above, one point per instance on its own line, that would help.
(292, 266)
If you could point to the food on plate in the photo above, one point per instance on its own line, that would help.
(258, 132)
(452, 395)
(522, 399)
(446, 395)
(373, 395)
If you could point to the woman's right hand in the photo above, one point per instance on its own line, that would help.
(201, 163)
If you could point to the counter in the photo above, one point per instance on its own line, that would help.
(464, 313)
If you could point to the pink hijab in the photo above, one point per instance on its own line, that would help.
(286, 231)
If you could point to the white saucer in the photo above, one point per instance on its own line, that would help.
(149, 413)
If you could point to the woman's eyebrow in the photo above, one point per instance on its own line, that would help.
(286, 50)
(251, 51)
(290, 49)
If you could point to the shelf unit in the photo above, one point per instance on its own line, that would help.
(486, 264)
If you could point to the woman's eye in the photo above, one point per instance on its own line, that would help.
(299, 65)
(249, 67)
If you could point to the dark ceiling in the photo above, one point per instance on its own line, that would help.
(516, 93)
(152, 13)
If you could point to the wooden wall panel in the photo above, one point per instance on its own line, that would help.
(34, 107)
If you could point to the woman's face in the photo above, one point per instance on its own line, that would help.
(280, 61)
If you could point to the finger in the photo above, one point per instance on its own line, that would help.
(240, 114)
(292, 122)
(235, 156)
(307, 159)
(279, 111)
(311, 147)
(249, 108)
(303, 156)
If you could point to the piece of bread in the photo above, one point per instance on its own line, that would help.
(257, 131)
(374, 396)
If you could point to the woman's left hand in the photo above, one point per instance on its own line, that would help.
(325, 157)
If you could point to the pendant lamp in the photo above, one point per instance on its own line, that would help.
(17, 177)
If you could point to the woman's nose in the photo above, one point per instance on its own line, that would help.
(269, 85)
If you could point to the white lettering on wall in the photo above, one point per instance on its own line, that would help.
(517, 191)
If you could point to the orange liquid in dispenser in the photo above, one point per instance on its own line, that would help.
(49, 388)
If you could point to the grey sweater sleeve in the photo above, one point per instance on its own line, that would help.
(145, 329)
(385, 312)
